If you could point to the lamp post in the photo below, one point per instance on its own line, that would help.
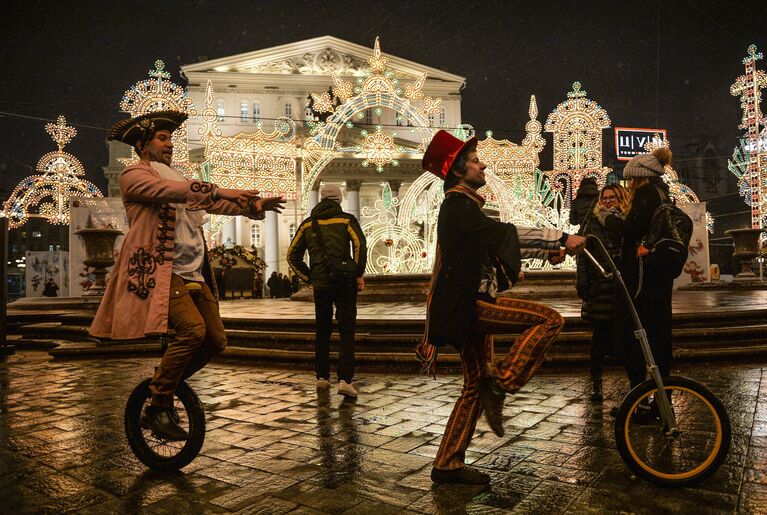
(5, 349)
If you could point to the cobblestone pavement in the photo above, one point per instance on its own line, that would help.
(274, 446)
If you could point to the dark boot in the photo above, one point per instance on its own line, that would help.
(491, 399)
(596, 386)
(161, 423)
(464, 475)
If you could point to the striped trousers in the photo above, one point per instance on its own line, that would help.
(539, 326)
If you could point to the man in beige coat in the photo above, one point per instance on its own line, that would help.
(162, 279)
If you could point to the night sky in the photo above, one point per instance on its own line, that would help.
(649, 64)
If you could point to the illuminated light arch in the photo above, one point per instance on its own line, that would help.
(577, 125)
(60, 180)
(379, 89)
(254, 160)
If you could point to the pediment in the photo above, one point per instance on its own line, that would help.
(317, 57)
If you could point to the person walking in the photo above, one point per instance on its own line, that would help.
(328, 235)
(162, 279)
(287, 286)
(463, 309)
(650, 285)
(258, 285)
(597, 292)
(273, 284)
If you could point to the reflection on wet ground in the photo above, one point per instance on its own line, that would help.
(276, 444)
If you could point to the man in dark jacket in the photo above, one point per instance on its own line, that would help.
(338, 232)
(273, 284)
(476, 258)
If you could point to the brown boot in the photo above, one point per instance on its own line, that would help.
(596, 387)
(464, 475)
(491, 399)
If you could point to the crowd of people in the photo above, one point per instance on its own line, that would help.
(164, 280)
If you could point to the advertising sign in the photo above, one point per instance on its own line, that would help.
(630, 141)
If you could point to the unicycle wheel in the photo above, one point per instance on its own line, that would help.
(693, 454)
(158, 453)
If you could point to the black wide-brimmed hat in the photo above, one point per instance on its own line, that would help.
(141, 128)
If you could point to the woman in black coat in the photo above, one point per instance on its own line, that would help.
(598, 293)
(650, 288)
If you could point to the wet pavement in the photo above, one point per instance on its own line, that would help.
(274, 445)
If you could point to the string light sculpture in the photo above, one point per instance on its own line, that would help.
(158, 93)
(50, 192)
(377, 89)
(577, 126)
(256, 160)
(749, 161)
(514, 164)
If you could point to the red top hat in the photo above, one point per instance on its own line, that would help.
(442, 151)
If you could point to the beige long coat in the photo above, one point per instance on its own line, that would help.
(135, 303)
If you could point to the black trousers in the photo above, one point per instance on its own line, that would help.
(654, 307)
(601, 344)
(344, 298)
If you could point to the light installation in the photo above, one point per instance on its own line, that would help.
(749, 159)
(577, 126)
(377, 89)
(60, 179)
(158, 93)
(257, 160)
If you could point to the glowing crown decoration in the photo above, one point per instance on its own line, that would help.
(515, 164)
(376, 90)
(51, 191)
(158, 93)
(749, 160)
(577, 126)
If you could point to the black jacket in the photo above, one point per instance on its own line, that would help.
(339, 230)
(584, 203)
(596, 291)
(646, 200)
(467, 239)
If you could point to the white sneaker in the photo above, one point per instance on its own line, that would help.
(323, 383)
(346, 389)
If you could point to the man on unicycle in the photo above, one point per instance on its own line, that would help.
(162, 279)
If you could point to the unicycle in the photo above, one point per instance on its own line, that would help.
(687, 434)
(154, 451)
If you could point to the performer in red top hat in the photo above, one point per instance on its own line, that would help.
(463, 310)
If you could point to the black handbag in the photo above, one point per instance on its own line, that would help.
(667, 238)
(340, 270)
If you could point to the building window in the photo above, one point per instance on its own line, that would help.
(368, 117)
(292, 231)
(288, 110)
(398, 119)
(243, 110)
(255, 235)
(442, 118)
(431, 119)
(220, 109)
(256, 112)
(37, 234)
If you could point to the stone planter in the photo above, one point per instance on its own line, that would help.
(746, 249)
(100, 254)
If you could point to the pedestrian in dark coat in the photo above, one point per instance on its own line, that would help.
(476, 258)
(584, 202)
(598, 293)
(650, 288)
(273, 283)
(287, 286)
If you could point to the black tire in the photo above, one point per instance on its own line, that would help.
(678, 461)
(157, 453)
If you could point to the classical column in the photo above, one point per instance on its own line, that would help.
(314, 196)
(271, 243)
(353, 197)
(227, 233)
(238, 236)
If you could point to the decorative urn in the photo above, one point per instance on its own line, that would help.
(99, 253)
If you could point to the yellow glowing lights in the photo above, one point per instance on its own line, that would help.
(51, 191)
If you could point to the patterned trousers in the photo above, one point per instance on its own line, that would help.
(539, 326)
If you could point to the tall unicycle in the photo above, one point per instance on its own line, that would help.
(671, 431)
(156, 452)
